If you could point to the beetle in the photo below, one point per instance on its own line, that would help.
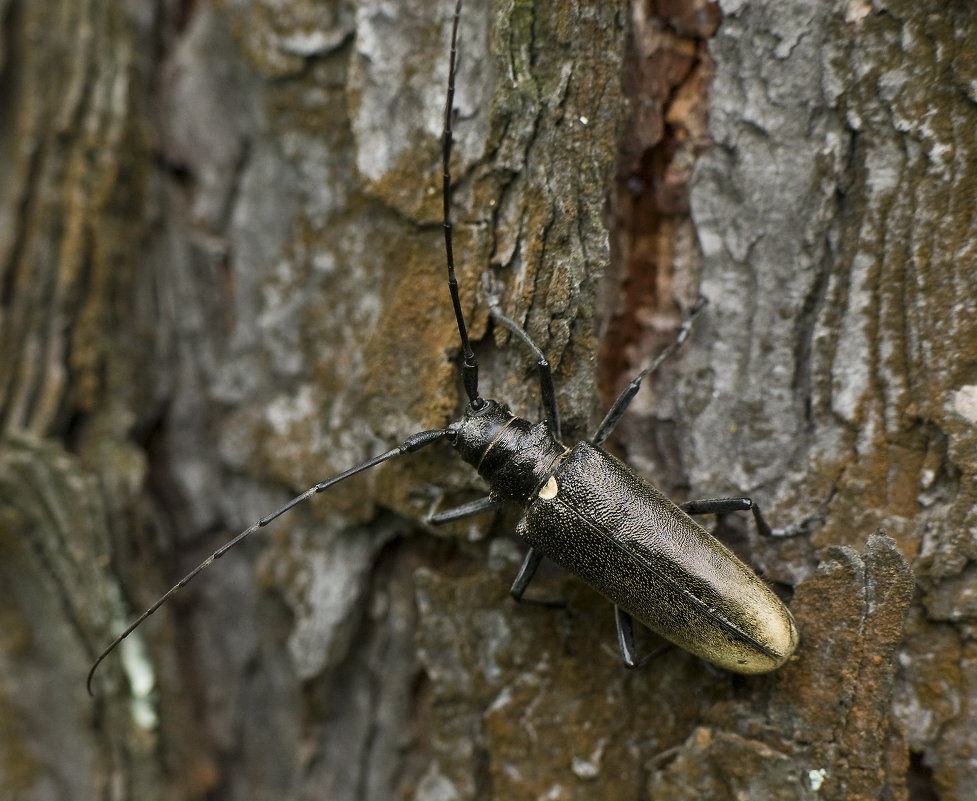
(586, 510)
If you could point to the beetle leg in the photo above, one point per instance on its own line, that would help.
(546, 389)
(526, 573)
(465, 510)
(625, 639)
(619, 407)
(529, 564)
(718, 506)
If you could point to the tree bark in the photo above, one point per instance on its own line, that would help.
(223, 281)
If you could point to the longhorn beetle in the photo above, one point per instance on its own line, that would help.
(586, 510)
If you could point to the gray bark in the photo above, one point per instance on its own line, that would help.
(223, 281)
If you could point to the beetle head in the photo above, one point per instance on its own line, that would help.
(479, 428)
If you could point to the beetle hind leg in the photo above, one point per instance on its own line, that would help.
(625, 640)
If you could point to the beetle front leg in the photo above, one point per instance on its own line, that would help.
(619, 407)
(720, 506)
(465, 510)
(547, 391)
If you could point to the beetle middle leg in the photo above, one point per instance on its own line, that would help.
(527, 570)
(721, 506)
(529, 564)
(525, 574)
(551, 414)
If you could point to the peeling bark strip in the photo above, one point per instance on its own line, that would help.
(218, 224)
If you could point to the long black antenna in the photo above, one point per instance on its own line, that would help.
(469, 370)
(412, 443)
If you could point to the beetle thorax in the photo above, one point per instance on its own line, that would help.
(515, 456)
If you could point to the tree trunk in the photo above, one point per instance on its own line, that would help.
(223, 281)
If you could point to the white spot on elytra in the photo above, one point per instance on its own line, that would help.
(549, 489)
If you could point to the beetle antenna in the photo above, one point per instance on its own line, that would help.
(469, 370)
(412, 443)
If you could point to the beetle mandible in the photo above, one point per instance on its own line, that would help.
(586, 510)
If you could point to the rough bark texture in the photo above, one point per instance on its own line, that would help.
(222, 281)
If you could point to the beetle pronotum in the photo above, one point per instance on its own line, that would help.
(586, 510)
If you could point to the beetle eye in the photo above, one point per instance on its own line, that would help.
(486, 407)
